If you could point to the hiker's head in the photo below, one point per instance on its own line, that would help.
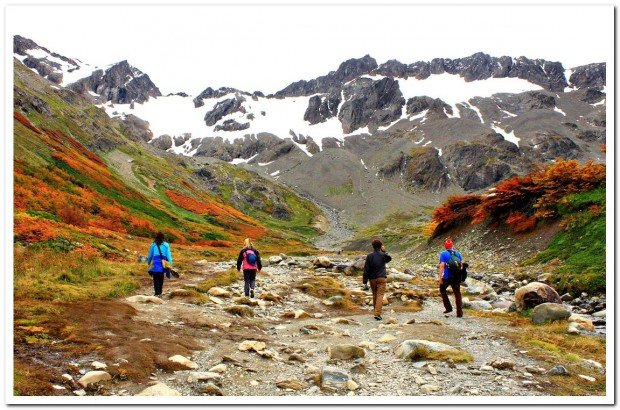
(159, 238)
(448, 243)
(377, 244)
(248, 243)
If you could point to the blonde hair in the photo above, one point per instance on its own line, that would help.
(248, 243)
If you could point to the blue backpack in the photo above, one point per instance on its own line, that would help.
(251, 257)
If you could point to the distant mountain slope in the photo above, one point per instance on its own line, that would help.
(80, 174)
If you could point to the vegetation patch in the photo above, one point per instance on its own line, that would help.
(222, 278)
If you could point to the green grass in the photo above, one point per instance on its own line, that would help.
(399, 231)
(343, 189)
(580, 246)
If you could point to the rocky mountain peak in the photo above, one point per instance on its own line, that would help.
(46, 63)
(121, 83)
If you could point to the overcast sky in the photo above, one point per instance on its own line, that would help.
(266, 48)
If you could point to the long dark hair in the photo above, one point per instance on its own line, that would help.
(159, 238)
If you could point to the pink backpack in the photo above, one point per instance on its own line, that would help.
(250, 260)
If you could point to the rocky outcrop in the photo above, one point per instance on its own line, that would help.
(224, 108)
(484, 162)
(46, 66)
(211, 93)
(524, 102)
(119, 84)
(369, 102)
(163, 142)
(320, 108)
(232, 125)
(589, 76)
(547, 146)
(416, 105)
(420, 168)
(136, 128)
(347, 71)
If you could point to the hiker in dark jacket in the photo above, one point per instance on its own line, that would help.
(374, 271)
(249, 260)
(448, 278)
(158, 252)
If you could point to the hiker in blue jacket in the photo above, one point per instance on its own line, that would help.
(450, 277)
(159, 251)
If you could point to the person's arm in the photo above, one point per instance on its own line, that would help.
(442, 266)
(258, 261)
(239, 260)
(366, 270)
(150, 257)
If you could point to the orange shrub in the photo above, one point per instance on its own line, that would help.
(28, 229)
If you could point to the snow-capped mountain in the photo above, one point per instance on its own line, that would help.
(448, 125)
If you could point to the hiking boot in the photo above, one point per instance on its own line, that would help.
(252, 293)
(378, 317)
(447, 311)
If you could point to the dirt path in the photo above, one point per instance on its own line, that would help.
(299, 346)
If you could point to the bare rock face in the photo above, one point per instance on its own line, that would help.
(416, 105)
(163, 142)
(589, 76)
(369, 102)
(47, 66)
(223, 108)
(137, 128)
(232, 125)
(321, 108)
(211, 93)
(534, 294)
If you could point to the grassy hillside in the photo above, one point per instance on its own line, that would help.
(89, 197)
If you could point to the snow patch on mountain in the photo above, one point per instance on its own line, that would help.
(508, 136)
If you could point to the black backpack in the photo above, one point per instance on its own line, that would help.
(454, 264)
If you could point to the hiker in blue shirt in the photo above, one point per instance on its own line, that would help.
(158, 252)
(450, 277)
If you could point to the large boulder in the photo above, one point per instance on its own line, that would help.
(549, 312)
(346, 352)
(535, 293)
(420, 349)
(581, 322)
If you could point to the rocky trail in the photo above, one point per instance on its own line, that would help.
(289, 342)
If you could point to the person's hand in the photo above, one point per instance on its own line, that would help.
(441, 281)
(382, 248)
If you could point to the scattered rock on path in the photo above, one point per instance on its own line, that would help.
(211, 390)
(333, 300)
(274, 260)
(210, 377)
(252, 345)
(290, 383)
(93, 377)
(386, 338)
(322, 261)
(219, 292)
(240, 310)
(145, 299)
(549, 312)
(592, 364)
(334, 377)
(345, 352)
(416, 349)
(588, 378)
(183, 361)
(159, 389)
(581, 322)
(220, 368)
(99, 365)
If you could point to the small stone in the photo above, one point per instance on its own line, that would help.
(67, 377)
(386, 338)
(58, 387)
(290, 383)
(220, 368)
(218, 292)
(99, 365)
(158, 389)
(80, 392)
(429, 388)
(251, 345)
(593, 365)
(558, 370)
(431, 369)
(209, 377)
(254, 383)
(410, 321)
(351, 385)
(486, 368)
(345, 352)
(211, 390)
(183, 361)
(588, 378)
(94, 377)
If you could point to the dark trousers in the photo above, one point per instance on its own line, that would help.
(158, 282)
(455, 283)
(378, 289)
(249, 280)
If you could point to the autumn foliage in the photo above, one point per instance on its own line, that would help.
(523, 201)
